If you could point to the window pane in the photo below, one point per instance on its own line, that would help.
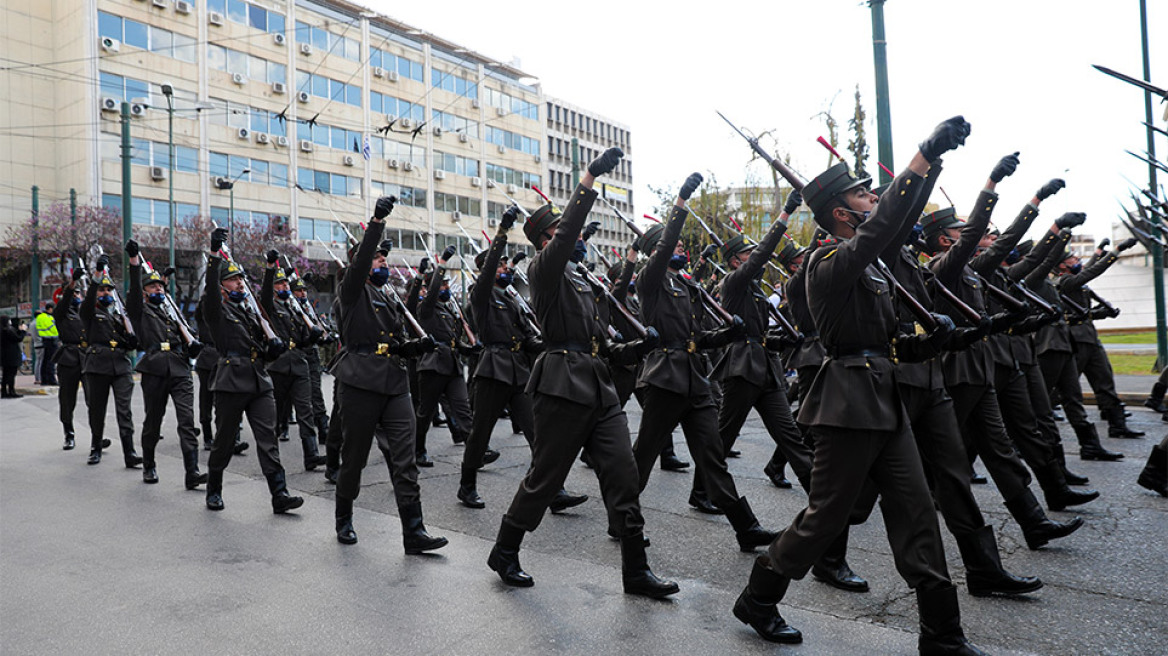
(186, 159)
(162, 155)
(320, 135)
(236, 62)
(338, 138)
(336, 90)
(109, 25)
(162, 41)
(321, 179)
(258, 68)
(303, 32)
(184, 48)
(305, 228)
(259, 171)
(237, 117)
(113, 85)
(278, 174)
(140, 153)
(320, 39)
(258, 17)
(162, 213)
(185, 211)
(112, 202)
(259, 121)
(353, 95)
(303, 81)
(140, 207)
(304, 178)
(137, 34)
(375, 103)
(275, 22)
(277, 72)
(218, 165)
(320, 85)
(338, 185)
(352, 49)
(237, 11)
(236, 165)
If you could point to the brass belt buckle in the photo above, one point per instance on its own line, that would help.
(165, 346)
(382, 349)
(291, 345)
(113, 343)
(516, 346)
(595, 347)
(691, 346)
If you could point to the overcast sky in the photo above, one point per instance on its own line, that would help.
(1019, 71)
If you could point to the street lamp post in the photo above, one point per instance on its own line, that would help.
(230, 186)
(168, 91)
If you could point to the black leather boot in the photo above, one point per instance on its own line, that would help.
(282, 502)
(562, 501)
(1155, 399)
(701, 502)
(332, 464)
(70, 441)
(984, 574)
(1054, 488)
(467, 493)
(757, 606)
(1089, 446)
(149, 474)
(1037, 528)
(1070, 477)
(504, 557)
(776, 472)
(1155, 474)
(208, 436)
(941, 633)
(637, 577)
(670, 461)
(344, 514)
(1117, 425)
(312, 457)
(414, 535)
(94, 457)
(215, 490)
(489, 456)
(746, 527)
(193, 478)
(832, 567)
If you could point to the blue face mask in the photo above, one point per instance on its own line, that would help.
(76, 301)
(915, 235)
(106, 300)
(580, 251)
(236, 297)
(444, 294)
(863, 216)
(678, 262)
(156, 298)
(284, 294)
(1076, 268)
(1013, 256)
(379, 276)
(504, 279)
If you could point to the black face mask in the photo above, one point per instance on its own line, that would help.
(444, 294)
(379, 276)
(236, 297)
(504, 279)
(678, 262)
(156, 298)
(579, 252)
(1013, 256)
(283, 294)
(1076, 268)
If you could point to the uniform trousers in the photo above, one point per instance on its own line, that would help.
(295, 391)
(206, 401)
(364, 414)
(315, 371)
(431, 388)
(156, 390)
(70, 378)
(1091, 361)
(845, 459)
(562, 429)
(984, 433)
(740, 397)
(98, 388)
(1018, 413)
(1061, 375)
(261, 416)
(490, 398)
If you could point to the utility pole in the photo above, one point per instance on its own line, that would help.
(575, 162)
(883, 111)
(1157, 253)
(35, 273)
(168, 91)
(127, 200)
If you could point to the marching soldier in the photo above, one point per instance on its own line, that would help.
(240, 382)
(312, 354)
(71, 355)
(290, 373)
(374, 389)
(205, 364)
(854, 409)
(107, 366)
(166, 371)
(575, 403)
(674, 379)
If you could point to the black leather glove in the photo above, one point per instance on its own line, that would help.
(709, 251)
(1051, 188)
(276, 347)
(1070, 220)
(941, 332)
(690, 185)
(737, 327)
(424, 265)
(448, 253)
(132, 248)
(647, 343)
(589, 230)
(315, 335)
(510, 216)
(131, 342)
(102, 261)
(385, 245)
(1003, 321)
(533, 346)
(272, 256)
(778, 340)
(469, 350)
(218, 238)
(194, 348)
(947, 136)
(606, 162)
(519, 257)
(384, 206)
(1103, 244)
(1004, 168)
(618, 337)
(720, 337)
(78, 272)
(168, 272)
(794, 200)
(1126, 244)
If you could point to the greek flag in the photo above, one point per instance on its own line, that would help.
(365, 147)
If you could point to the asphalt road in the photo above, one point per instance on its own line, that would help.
(93, 561)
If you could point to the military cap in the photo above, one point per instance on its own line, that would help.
(280, 275)
(539, 221)
(879, 191)
(788, 251)
(298, 284)
(153, 277)
(648, 241)
(105, 281)
(829, 184)
(614, 271)
(232, 271)
(735, 245)
(934, 222)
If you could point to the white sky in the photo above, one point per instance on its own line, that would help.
(1019, 71)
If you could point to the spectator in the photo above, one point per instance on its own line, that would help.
(46, 328)
(11, 354)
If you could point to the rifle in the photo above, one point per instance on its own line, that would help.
(1107, 308)
(457, 310)
(119, 307)
(175, 315)
(923, 315)
(297, 309)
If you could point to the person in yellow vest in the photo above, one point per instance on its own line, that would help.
(46, 328)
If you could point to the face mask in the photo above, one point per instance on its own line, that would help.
(76, 301)
(379, 276)
(236, 297)
(1013, 257)
(579, 252)
(444, 294)
(283, 294)
(917, 231)
(678, 262)
(106, 300)
(1077, 268)
(504, 279)
(863, 216)
(156, 298)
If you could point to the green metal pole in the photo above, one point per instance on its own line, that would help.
(127, 202)
(883, 110)
(73, 217)
(231, 218)
(1157, 254)
(35, 272)
(170, 182)
(575, 162)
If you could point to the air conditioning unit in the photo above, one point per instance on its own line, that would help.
(490, 183)
(282, 141)
(182, 6)
(439, 174)
(408, 166)
(456, 215)
(278, 87)
(138, 110)
(302, 96)
(475, 104)
(392, 163)
(391, 118)
(157, 173)
(262, 138)
(538, 159)
(305, 146)
(238, 78)
(110, 45)
(214, 18)
(109, 104)
(279, 38)
(501, 149)
(348, 160)
(161, 4)
(500, 111)
(437, 131)
(476, 182)
(391, 76)
(493, 223)
(463, 137)
(511, 189)
(243, 133)
(378, 71)
(405, 122)
(306, 48)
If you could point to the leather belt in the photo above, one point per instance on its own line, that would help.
(687, 346)
(163, 347)
(839, 352)
(252, 355)
(514, 347)
(381, 348)
(750, 339)
(574, 347)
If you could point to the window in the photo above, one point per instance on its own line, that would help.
(186, 159)
(455, 164)
(137, 34)
(455, 82)
(453, 123)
